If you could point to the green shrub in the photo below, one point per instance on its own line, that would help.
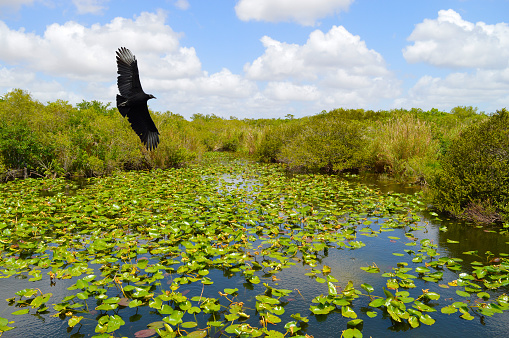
(90, 139)
(274, 138)
(327, 144)
(473, 182)
(20, 148)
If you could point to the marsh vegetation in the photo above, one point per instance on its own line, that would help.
(200, 243)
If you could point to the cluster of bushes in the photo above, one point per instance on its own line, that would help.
(58, 139)
(462, 156)
(405, 144)
(473, 180)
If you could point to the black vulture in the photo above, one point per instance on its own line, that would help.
(132, 101)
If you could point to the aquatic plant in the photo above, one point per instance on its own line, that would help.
(156, 252)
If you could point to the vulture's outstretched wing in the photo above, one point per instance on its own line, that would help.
(128, 80)
(132, 101)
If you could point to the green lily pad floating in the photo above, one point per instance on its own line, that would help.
(347, 311)
(352, 333)
(371, 314)
(462, 293)
(20, 312)
(426, 319)
(367, 287)
(74, 320)
(188, 325)
(467, 316)
(449, 309)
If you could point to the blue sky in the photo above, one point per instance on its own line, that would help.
(262, 58)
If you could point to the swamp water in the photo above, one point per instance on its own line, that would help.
(239, 249)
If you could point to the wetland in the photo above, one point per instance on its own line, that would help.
(230, 247)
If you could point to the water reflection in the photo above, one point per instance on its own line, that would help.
(345, 265)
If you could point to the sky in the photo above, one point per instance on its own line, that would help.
(262, 58)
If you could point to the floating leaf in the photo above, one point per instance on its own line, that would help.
(255, 280)
(145, 333)
(348, 312)
(426, 319)
(352, 333)
(189, 325)
(483, 295)
(74, 320)
(20, 312)
(197, 334)
(462, 293)
(371, 314)
(320, 280)
(413, 321)
(367, 287)
(377, 302)
(123, 302)
(467, 316)
(432, 295)
(448, 309)
(175, 318)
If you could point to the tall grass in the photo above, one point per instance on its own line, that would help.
(404, 147)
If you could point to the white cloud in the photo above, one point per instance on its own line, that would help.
(8, 77)
(90, 6)
(322, 54)
(287, 91)
(76, 62)
(15, 3)
(88, 53)
(223, 83)
(280, 60)
(40, 89)
(304, 12)
(486, 88)
(182, 4)
(450, 41)
(82, 60)
(344, 72)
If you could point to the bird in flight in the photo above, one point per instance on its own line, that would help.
(132, 101)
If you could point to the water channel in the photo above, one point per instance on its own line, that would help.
(388, 250)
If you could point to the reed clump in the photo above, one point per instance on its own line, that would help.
(404, 146)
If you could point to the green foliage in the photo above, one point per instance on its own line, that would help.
(463, 153)
(403, 146)
(330, 144)
(20, 148)
(274, 139)
(90, 139)
(474, 178)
